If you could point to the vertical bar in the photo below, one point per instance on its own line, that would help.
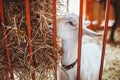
(79, 40)
(6, 43)
(29, 34)
(54, 35)
(67, 5)
(104, 38)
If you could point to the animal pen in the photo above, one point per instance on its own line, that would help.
(23, 52)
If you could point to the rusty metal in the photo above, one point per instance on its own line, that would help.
(104, 37)
(29, 34)
(55, 36)
(5, 40)
(79, 40)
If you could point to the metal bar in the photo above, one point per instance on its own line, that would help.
(6, 43)
(54, 25)
(79, 40)
(29, 34)
(67, 5)
(55, 36)
(104, 38)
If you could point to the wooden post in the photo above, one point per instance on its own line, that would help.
(79, 40)
(5, 39)
(54, 37)
(29, 34)
(104, 37)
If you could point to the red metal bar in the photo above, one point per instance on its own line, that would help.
(55, 35)
(6, 43)
(29, 34)
(104, 38)
(79, 40)
(54, 25)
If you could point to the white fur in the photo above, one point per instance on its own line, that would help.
(61, 74)
(91, 54)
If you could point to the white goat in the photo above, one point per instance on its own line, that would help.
(67, 30)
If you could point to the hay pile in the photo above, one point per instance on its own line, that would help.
(18, 43)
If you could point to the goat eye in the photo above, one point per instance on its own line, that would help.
(71, 23)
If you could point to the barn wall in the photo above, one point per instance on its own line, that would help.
(98, 12)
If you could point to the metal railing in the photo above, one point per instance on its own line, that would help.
(54, 39)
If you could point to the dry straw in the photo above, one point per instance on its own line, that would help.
(41, 40)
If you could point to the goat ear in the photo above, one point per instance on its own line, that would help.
(86, 22)
(91, 33)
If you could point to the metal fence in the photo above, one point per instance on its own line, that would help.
(27, 7)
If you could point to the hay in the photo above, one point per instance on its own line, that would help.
(112, 67)
(18, 41)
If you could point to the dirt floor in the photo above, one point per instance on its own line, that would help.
(112, 57)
